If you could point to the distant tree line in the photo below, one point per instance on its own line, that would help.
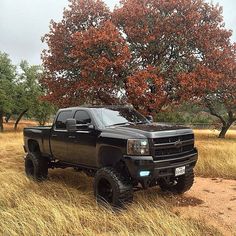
(21, 93)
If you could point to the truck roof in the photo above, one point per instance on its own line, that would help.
(99, 106)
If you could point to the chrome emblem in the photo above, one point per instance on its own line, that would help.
(178, 143)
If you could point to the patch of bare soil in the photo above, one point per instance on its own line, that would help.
(212, 200)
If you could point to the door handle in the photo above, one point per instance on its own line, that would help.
(72, 137)
(54, 135)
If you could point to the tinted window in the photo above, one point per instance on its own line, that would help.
(82, 117)
(61, 119)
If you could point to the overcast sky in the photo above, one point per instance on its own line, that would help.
(24, 22)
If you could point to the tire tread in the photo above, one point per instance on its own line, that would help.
(40, 166)
(124, 190)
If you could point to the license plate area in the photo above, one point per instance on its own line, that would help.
(180, 171)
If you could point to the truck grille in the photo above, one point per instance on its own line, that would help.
(173, 147)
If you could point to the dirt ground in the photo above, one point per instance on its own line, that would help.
(212, 200)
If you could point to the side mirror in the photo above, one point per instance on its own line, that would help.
(71, 125)
(150, 118)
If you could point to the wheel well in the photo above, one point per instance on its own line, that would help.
(109, 156)
(33, 146)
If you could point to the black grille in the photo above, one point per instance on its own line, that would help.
(171, 147)
(170, 151)
(173, 139)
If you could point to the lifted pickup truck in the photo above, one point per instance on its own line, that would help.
(121, 148)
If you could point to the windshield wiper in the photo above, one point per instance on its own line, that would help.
(123, 123)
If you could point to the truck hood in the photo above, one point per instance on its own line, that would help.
(153, 130)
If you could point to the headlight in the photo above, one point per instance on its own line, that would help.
(137, 147)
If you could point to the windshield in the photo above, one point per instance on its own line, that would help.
(119, 116)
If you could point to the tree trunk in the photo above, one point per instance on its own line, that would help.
(42, 122)
(7, 118)
(224, 129)
(1, 121)
(19, 118)
(226, 123)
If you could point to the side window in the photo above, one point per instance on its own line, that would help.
(82, 117)
(61, 119)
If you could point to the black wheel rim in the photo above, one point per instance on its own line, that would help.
(105, 191)
(29, 168)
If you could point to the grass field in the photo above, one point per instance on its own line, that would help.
(64, 205)
(217, 157)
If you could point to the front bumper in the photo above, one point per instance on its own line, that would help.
(159, 168)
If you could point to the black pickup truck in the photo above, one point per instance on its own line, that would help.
(121, 148)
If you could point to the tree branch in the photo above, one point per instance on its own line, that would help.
(214, 113)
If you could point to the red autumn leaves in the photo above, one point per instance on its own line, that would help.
(147, 52)
(103, 56)
(146, 90)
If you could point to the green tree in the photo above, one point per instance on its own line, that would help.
(28, 94)
(27, 89)
(42, 112)
(7, 86)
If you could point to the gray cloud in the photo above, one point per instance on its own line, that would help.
(23, 23)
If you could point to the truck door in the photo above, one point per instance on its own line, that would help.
(82, 149)
(60, 137)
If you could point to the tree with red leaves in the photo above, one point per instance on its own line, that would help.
(145, 52)
(103, 56)
(213, 84)
(182, 39)
(87, 58)
(171, 36)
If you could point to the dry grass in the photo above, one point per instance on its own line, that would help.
(217, 157)
(9, 127)
(64, 205)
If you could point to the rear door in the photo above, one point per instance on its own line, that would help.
(60, 137)
(83, 148)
